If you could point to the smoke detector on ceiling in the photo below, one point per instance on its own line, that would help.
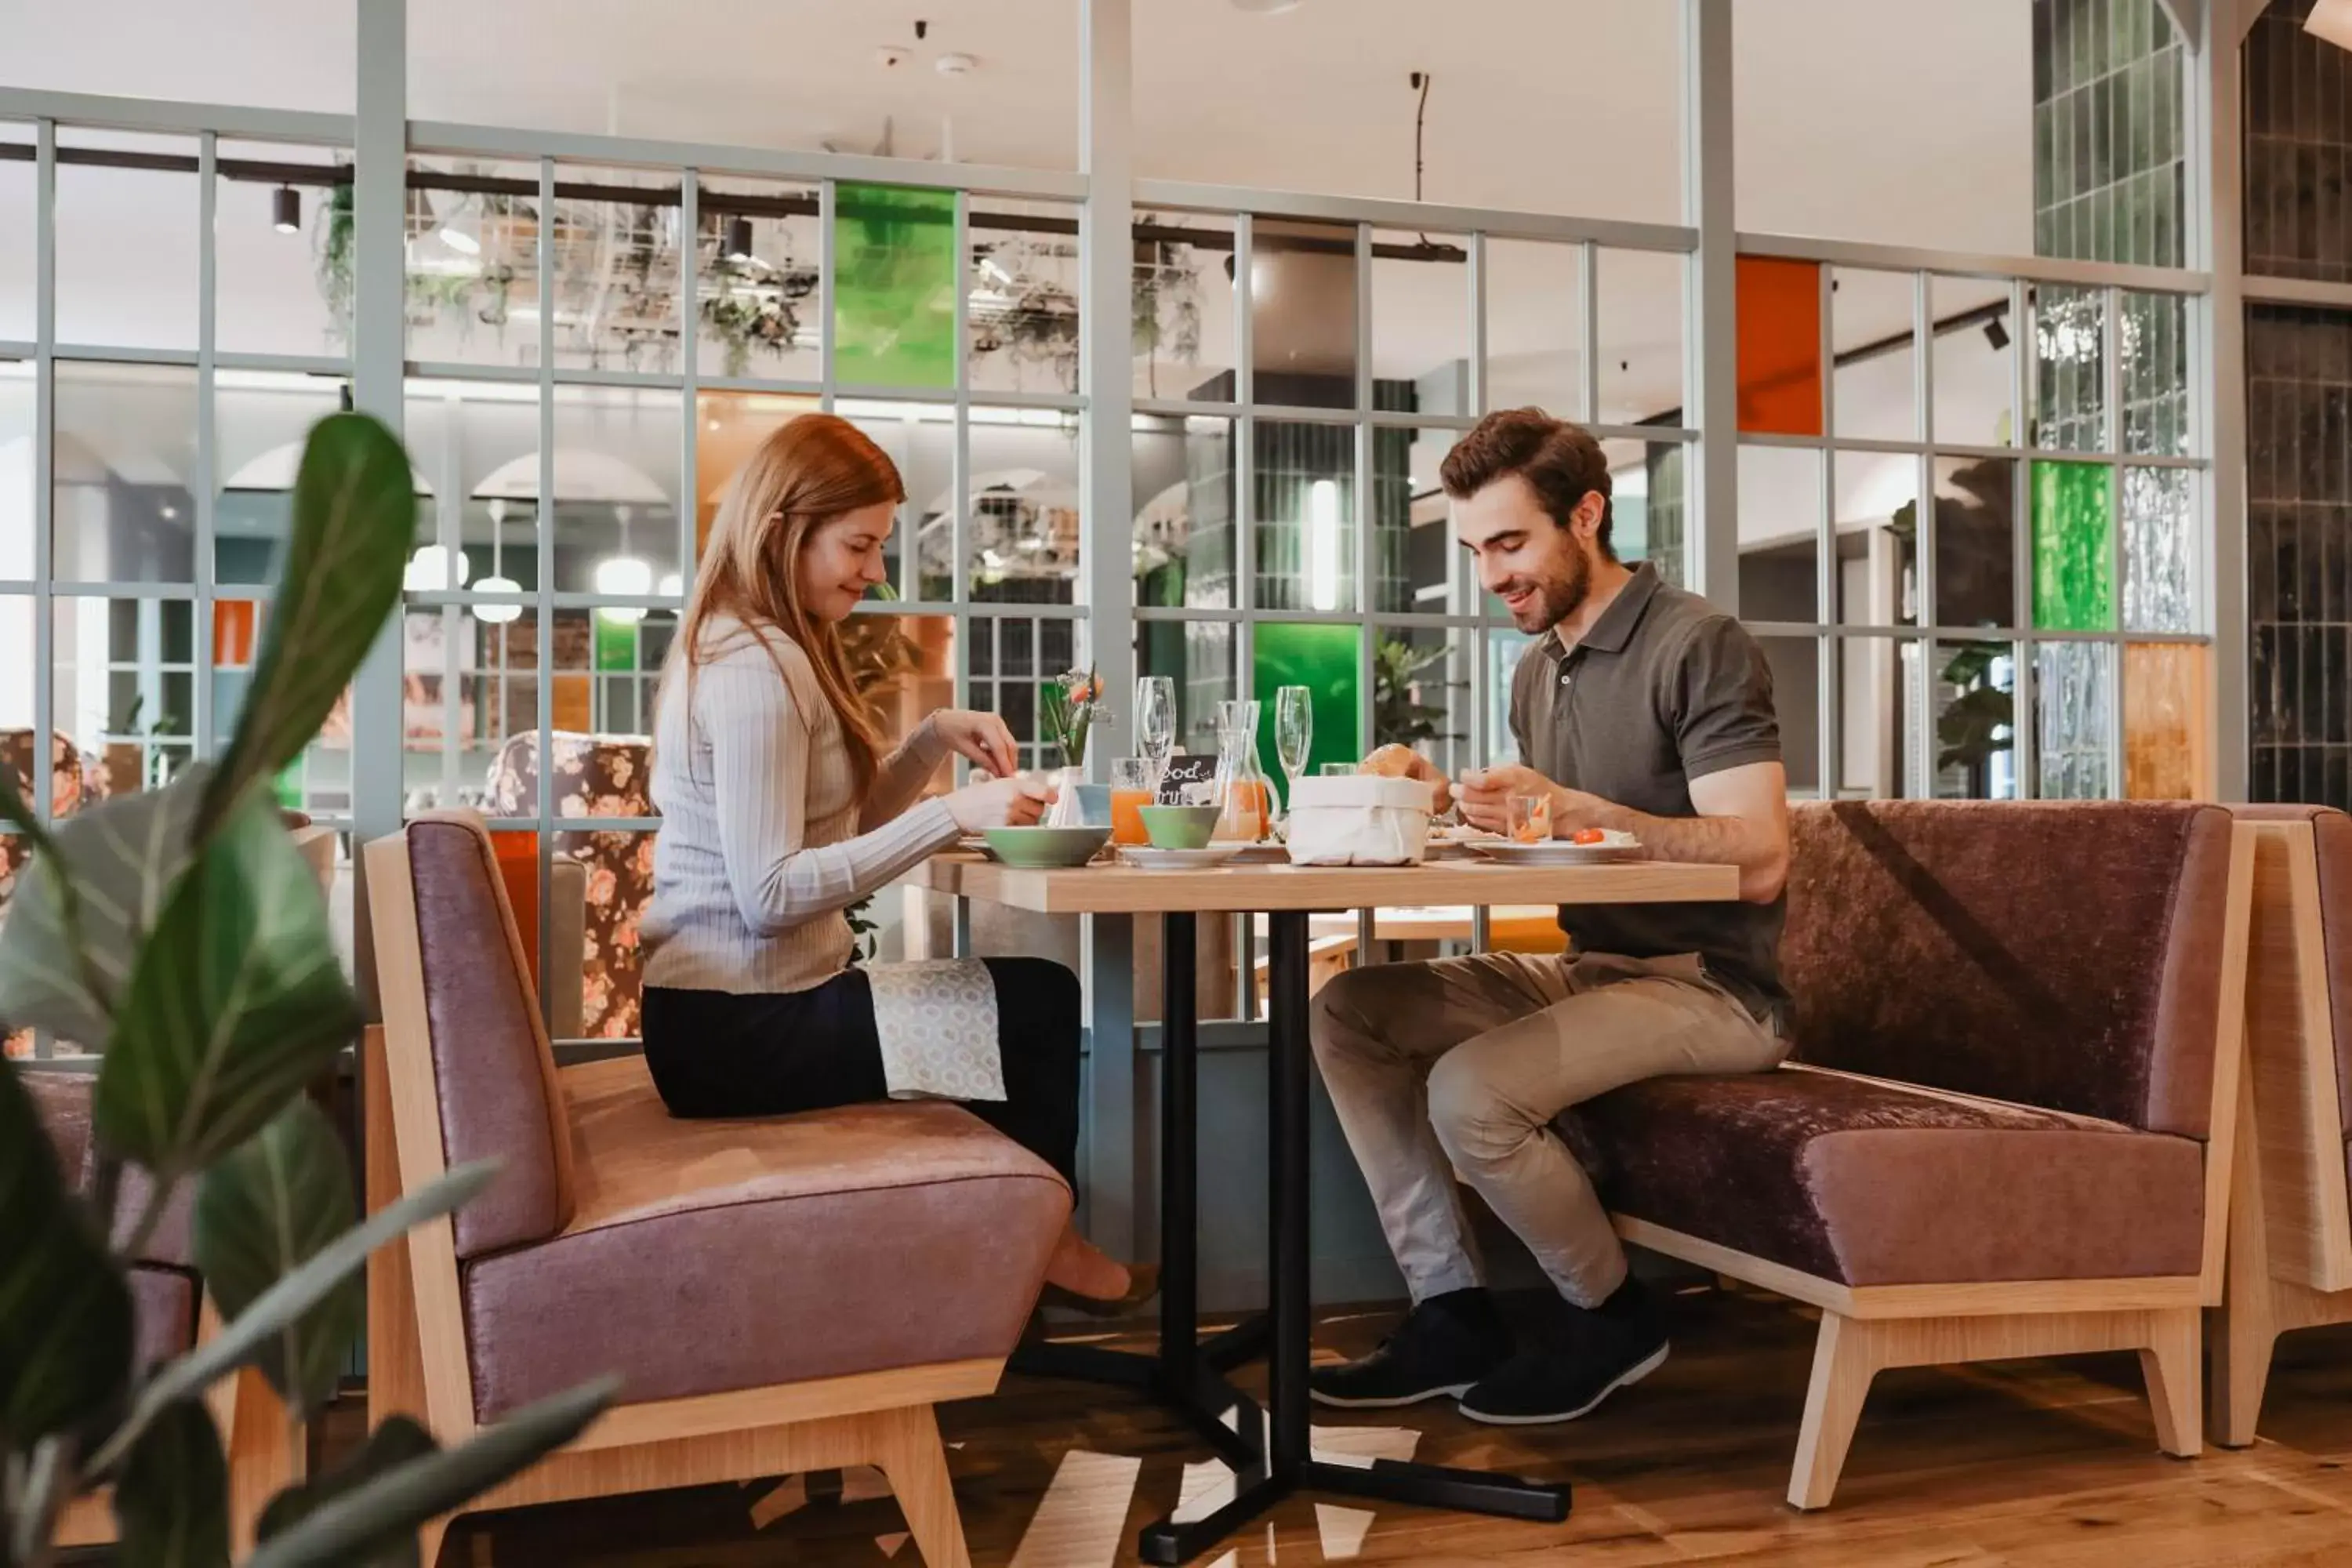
(889, 55)
(955, 65)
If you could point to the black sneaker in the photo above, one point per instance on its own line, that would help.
(1443, 1346)
(1590, 1354)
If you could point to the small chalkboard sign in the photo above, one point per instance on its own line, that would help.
(1188, 781)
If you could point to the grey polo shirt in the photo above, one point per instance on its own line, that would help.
(1664, 689)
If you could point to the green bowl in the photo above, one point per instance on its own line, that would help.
(1045, 848)
(1179, 826)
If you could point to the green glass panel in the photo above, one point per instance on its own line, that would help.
(894, 286)
(1328, 661)
(616, 643)
(2074, 547)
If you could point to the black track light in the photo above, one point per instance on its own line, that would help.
(739, 240)
(1995, 334)
(286, 210)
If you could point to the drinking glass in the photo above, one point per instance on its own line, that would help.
(1155, 722)
(1133, 781)
(1294, 734)
(1336, 770)
(1530, 818)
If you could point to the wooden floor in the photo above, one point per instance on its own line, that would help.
(2029, 1462)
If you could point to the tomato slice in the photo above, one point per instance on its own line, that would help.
(1589, 835)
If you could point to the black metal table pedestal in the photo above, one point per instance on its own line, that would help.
(1184, 1374)
(1289, 1466)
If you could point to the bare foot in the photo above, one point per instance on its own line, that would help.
(1080, 1267)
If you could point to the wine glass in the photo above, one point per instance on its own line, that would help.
(1155, 722)
(1294, 734)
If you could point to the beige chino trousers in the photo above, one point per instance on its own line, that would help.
(1460, 1065)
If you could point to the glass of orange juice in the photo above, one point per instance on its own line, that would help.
(1530, 818)
(1130, 792)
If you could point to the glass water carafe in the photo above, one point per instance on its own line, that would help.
(1241, 794)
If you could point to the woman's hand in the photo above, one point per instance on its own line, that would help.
(982, 739)
(1014, 802)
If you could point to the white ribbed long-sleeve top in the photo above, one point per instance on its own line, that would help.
(763, 841)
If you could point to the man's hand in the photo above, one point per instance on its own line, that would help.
(1484, 794)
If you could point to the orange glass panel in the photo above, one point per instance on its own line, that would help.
(570, 704)
(517, 852)
(729, 427)
(2167, 722)
(1779, 346)
(233, 626)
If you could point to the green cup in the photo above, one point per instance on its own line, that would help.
(1179, 826)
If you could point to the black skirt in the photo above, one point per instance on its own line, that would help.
(716, 1053)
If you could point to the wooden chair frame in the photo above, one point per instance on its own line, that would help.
(2290, 1220)
(1866, 1328)
(417, 1355)
(265, 1451)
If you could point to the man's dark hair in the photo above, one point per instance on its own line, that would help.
(1559, 460)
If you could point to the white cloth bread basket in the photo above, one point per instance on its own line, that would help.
(1359, 821)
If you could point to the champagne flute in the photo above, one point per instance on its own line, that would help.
(1294, 735)
(1155, 722)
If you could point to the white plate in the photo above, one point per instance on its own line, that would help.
(1146, 858)
(1456, 846)
(1558, 852)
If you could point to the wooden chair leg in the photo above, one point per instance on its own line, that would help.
(266, 1454)
(2245, 1326)
(2175, 1393)
(1845, 1359)
(88, 1520)
(910, 1453)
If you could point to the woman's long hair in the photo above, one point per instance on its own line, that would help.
(808, 472)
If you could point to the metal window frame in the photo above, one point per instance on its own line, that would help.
(1105, 196)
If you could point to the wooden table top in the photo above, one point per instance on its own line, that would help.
(1115, 889)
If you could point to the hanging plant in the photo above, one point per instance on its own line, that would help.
(748, 324)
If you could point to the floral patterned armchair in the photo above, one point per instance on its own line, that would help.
(595, 775)
(77, 779)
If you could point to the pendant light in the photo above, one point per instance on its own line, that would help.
(286, 210)
(435, 568)
(498, 615)
(738, 249)
(623, 575)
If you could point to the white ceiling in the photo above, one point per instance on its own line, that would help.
(1900, 121)
(1896, 120)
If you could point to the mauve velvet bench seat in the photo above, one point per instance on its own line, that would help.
(790, 1248)
(1868, 1182)
(2004, 1125)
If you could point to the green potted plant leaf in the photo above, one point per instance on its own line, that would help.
(179, 933)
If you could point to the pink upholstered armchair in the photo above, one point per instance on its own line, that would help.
(75, 779)
(595, 775)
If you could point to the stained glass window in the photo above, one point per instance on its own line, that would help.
(2074, 547)
(894, 291)
(2167, 722)
(2074, 686)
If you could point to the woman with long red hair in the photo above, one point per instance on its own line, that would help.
(781, 808)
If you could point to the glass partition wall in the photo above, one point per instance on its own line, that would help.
(596, 332)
